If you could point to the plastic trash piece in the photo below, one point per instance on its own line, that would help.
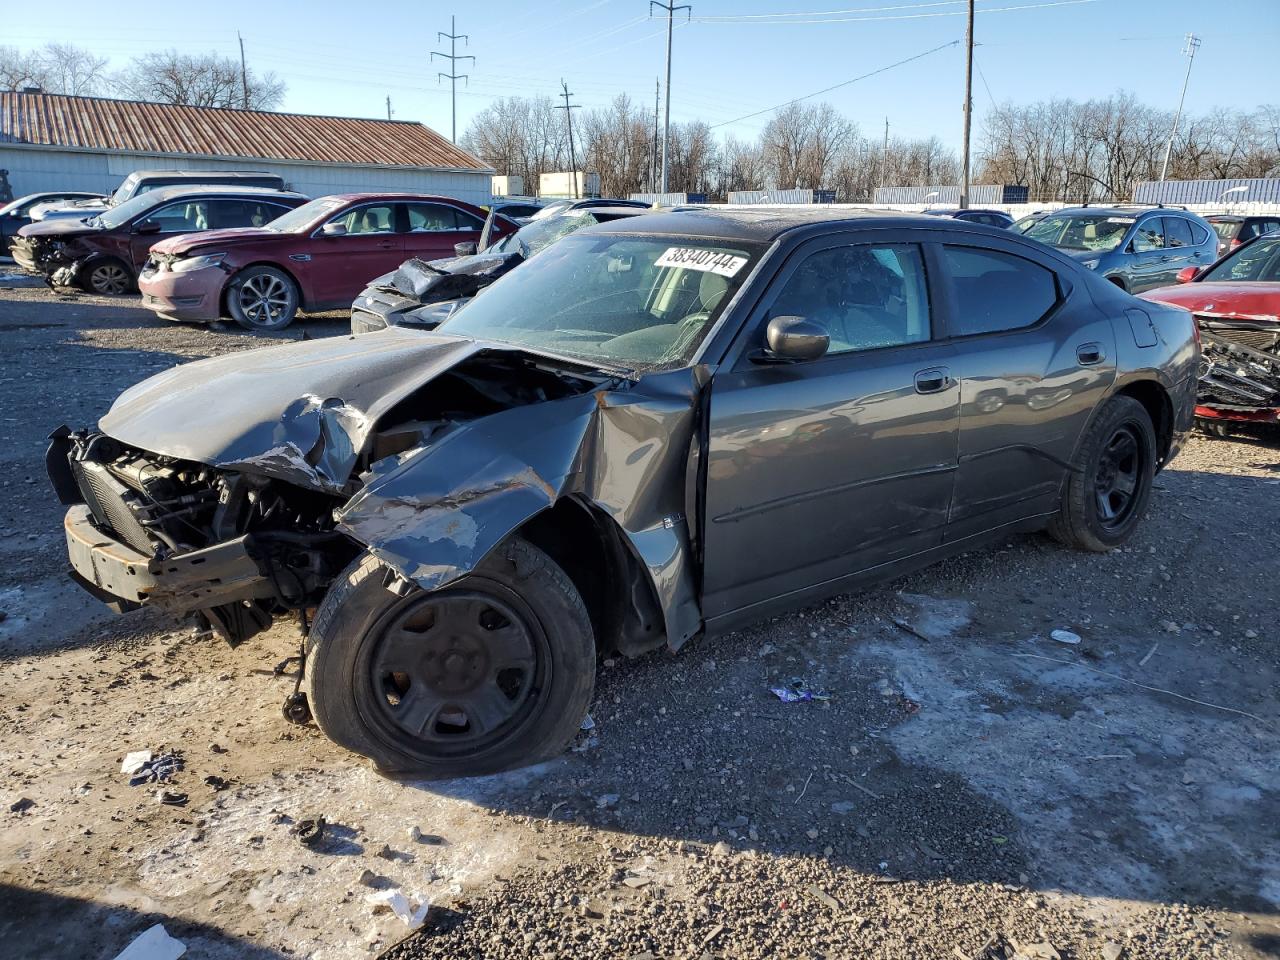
(1065, 636)
(412, 917)
(798, 691)
(154, 943)
(133, 762)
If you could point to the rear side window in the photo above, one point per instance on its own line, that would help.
(433, 217)
(1177, 232)
(994, 291)
(245, 213)
(1199, 233)
(1148, 236)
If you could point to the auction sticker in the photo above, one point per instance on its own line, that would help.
(707, 261)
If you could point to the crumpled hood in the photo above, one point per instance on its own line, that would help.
(1246, 299)
(186, 241)
(300, 412)
(450, 278)
(61, 228)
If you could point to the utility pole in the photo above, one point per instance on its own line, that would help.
(666, 119)
(1189, 51)
(244, 75)
(968, 111)
(653, 162)
(884, 165)
(452, 56)
(388, 108)
(568, 109)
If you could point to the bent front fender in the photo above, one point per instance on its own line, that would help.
(434, 513)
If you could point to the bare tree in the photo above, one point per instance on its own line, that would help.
(54, 68)
(204, 80)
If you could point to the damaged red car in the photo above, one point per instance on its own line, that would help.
(656, 428)
(1236, 303)
(317, 257)
(104, 253)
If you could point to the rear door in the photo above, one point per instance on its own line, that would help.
(1033, 357)
(1180, 249)
(432, 230)
(1148, 259)
(229, 213)
(341, 266)
(817, 470)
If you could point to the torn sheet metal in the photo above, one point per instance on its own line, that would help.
(434, 513)
(1238, 375)
(451, 279)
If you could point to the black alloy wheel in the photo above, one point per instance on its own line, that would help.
(455, 671)
(1120, 470)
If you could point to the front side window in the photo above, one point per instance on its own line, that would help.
(1177, 232)
(1257, 262)
(643, 303)
(866, 296)
(1148, 236)
(995, 291)
(376, 218)
(185, 216)
(1080, 231)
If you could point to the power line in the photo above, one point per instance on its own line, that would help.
(453, 58)
(837, 86)
(778, 19)
(671, 8)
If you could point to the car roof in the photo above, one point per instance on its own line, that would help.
(221, 189)
(399, 197)
(1226, 218)
(764, 224)
(1120, 210)
(197, 174)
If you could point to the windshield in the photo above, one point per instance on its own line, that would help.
(1259, 261)
(1081, 231)
(1023, 224)
(123, 191)
(122, 213)
(300, 217)
(1226, 229)
(553, 208)
(540, 234)
(637, 302)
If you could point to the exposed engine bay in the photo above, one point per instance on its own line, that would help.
(1240, 368)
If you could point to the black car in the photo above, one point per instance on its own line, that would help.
(657, 428)
(18, 213)
(423, 294)
(1233, 230)
(992, 218)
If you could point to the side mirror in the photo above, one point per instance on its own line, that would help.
(147, 226)
(334, 230)
(1187, 274)
(795, 338)
(466, 248)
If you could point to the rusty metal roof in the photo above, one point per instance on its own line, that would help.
(97, 123)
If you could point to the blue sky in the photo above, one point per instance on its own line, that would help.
(344, 58)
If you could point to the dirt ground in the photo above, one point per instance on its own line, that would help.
(972, 787)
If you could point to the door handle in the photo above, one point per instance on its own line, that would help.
(1089, 353)
(933, 380)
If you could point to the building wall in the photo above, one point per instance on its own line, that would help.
(35, 169)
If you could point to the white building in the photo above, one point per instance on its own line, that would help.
(55, 142)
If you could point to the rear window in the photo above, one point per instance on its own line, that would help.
(1226, 229)
(995, 291)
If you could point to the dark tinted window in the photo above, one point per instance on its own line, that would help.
(997, 291)
(1177, 232)
(1148, 235)
(866, 296)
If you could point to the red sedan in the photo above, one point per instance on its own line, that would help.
(1236, 303)
(317, 257)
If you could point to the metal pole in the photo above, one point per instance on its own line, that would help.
(452, 56)
(653, 163)
(568, 109)
(968, 111)
(244, 74)
(884, 166)
(1189, 49)
(666, 118)
(388, 108)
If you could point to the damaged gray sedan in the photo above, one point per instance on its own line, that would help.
(661, 427)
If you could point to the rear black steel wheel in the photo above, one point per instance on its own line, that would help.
(1109, 487)
(493, 672)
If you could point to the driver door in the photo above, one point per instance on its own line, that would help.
(341, 266)
(819, 469)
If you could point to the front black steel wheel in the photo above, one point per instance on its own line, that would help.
(493, 672)
(1109, 486)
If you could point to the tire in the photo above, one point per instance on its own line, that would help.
(108, 278)
(1118, 451)
(262, 298)
(381, 666)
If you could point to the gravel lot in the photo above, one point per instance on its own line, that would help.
(972, 788)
